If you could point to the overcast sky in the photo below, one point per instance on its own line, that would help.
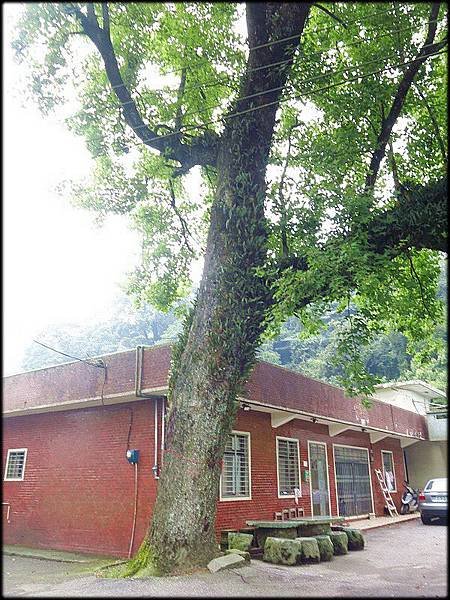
(57, 265)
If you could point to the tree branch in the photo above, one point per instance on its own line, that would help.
(91, 16)
(184, 227)
(105, 15)
(330, 14)
(391, 156)
(389, 121)
(180, 94)
(434, 122)
(418, 220)
(419, 283)
(284, 242)
(203, 150)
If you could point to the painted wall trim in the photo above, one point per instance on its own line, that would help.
(278, 419)
(326, 420)
(108, 399)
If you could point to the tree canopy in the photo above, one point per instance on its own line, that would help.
(356, 198)
(319, 137)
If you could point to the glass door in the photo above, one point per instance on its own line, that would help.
(319, 479)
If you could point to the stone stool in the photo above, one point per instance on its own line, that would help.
(340, 542)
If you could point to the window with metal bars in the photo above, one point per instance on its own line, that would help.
(288, 469)
(15, 464)
(235, 482)
(352, 480)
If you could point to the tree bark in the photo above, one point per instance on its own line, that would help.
(215, 354)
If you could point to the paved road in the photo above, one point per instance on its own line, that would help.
(405, 560)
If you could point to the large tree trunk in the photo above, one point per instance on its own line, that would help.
(214, 357)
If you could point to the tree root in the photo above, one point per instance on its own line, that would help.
(142, 565)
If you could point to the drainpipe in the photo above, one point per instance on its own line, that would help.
(163, 423)
(7, 510)
(156, 397)
(135, 509)
(155, 467)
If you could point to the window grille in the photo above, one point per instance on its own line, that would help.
(15, 464)
(236, 472)
(352, 480)
(288, 472)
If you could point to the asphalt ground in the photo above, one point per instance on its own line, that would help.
(403, 560)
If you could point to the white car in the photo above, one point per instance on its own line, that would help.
(433, 500)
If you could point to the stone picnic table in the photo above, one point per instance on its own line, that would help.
(293, 528)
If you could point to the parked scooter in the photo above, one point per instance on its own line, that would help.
(410, 500)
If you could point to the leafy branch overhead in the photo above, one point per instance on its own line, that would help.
(158, 83)
(285, 112)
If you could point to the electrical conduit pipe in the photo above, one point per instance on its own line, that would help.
(135, 508)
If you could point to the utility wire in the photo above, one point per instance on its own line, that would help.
(326, 28)
(298, 97)
(212, 107)
(211, 83)
(277, 89)
(100, 364)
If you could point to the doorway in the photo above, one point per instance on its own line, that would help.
(318, 465)
(354, 493)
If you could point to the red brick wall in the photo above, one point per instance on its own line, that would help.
(265, 501)
(78, 490)
(78, 381)
(278, 386)
(268, 384)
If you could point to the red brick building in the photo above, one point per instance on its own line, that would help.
(297, 443)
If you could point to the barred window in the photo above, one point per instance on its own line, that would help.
(288, 470)
(15, 464)
(235, 482)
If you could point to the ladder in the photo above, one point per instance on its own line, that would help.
(386, 493)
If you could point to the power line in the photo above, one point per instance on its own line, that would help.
(213, 82)
(276, 89)
(228, 78)
(326, 28)
(238, 113)
(312, 92)
(212, 107)
(100, 363)
(298, 97)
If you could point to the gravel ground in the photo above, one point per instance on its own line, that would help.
(404, 560)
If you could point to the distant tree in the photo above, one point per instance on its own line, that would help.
(386, 356)
(127, 328)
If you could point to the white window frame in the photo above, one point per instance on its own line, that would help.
(238, 498)
(10, 450)
(279, 437)
(328, 473)
(393, 469)
(335, 478)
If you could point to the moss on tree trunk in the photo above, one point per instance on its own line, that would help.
(217, 350)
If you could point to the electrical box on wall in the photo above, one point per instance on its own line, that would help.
(306, 475)
(132, 456)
